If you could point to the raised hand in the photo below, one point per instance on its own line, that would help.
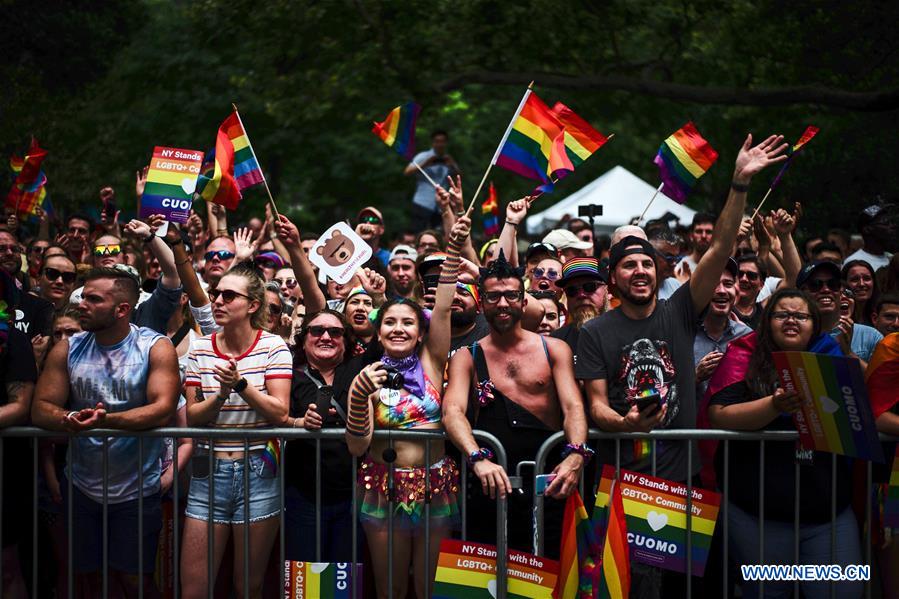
(761, 232)
(461, 228)
(752, 160)
(516, 211)
(784, 222)
(373, 283)
(245, 245)
(140, 181)
(138, 228)
(745, 231)
(455, 192)
(287, 232)
(110, 225)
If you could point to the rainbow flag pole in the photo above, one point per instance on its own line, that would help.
(809, 133)
(264, 182)
(500, 147)
(651, 200)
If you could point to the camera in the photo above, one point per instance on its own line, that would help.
(395, 379)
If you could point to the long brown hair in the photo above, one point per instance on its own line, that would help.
(761, 375)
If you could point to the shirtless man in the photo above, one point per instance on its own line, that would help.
(538, 373)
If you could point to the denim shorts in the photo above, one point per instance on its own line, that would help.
(228, 499)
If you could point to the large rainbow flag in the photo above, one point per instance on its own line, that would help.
(398, 129)
(682, 159)
(28, 189)
(835, 415)
(490, 213)
(236, 167)
(579, 553)
(615, 576)
(581, 140)
(882, 375)
(534, 145)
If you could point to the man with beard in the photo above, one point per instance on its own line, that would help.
(637, 361)
(120, 376)
(528, 393)
(585, 287)
(877, 224)
(701, 234)
(31, 315)
(401, 272)
(467, 323)
(717, 329)
(886, 313)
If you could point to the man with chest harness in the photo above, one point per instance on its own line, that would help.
(526, 395)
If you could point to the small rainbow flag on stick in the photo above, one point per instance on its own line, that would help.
(236, 167)
(490, 213)
(682, 159)
(27, 191)
(806, 136)
(398, 129)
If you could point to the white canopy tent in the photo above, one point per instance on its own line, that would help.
(622, 195)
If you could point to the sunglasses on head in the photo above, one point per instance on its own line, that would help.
(220, 254)
(228, 295)
(54, 273)
(587, 288)
(752, 276)
(107, 250)
(816, 285)
(546, 273)
(288, 282)
(318, 331)
(370, 219)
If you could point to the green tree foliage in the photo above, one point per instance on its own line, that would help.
(101, 83)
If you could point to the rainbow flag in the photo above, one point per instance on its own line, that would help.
(467, 570)
(490, 213)
(682, 159)
(891, 501)
(324, 580)
(615, 575)
(534, 145)
(236, 167)
(835, 415)
(579, 553)
(27, 191)
(398, 129)
(581, 140)
(806, 136)
(271, 455)
(882, 375)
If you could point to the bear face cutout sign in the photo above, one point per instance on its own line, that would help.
(339, 252)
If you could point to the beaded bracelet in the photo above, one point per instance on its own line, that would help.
(582, 450)
(476, 456)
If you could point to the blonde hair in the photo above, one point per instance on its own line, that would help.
(255, 292)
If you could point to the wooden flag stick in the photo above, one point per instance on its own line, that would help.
(762, 203)
(651, 200)
(422, 171)
(500, 147)
(261, 172)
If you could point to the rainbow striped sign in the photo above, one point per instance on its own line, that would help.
(321, 580)
(468, 571)
(891, 501)
(171, 182)
(835, 415)
(656, 513)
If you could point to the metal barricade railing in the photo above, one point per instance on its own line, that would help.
(283, 435)
(726, 437)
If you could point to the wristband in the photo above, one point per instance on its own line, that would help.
(514, 224)
(149, 237)
(739, 187)
(582, 450)
(69, 415)
(480, 455)
(240, 385)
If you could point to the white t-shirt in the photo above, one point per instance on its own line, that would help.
(875, 261)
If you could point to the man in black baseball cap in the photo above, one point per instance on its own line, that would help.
(877, 224)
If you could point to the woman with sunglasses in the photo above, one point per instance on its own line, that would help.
(543, 276)
(238, 377)
(745, 395)
(858, 276)
(279, 321)
(417, 351)
(323, 370)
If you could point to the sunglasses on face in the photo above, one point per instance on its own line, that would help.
(319, 331)
(513, 297)
(53, 273)
(370, 220)
(783, 315)
(546, 273)
(37, 249)
(816, 285)
(107, 250)
(228, 295)
(13, 249)
(289, 283)
(587, 288)
(275, 309)
(752, 276)
(220, 254)
(670, 258)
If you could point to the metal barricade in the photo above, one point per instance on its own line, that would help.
(726, 437)
(246, 436)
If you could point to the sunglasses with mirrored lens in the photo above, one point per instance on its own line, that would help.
(318, 331)
(53, 273)
(370, 219)
(587, 288)
(289, 283)
(107, 250)
(550, 274)
(220, 254)
(816, 285)
(228, 295)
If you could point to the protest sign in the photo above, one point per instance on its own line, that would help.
(656, 513)
(171, 181)
(340, 252)
(468, 570)
(835, 415)
(321, 580)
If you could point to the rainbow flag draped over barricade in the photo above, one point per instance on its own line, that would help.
(28, 189)
(236, 167)
(398, 129)
(682, 159)
(490, 213)
(578, 572)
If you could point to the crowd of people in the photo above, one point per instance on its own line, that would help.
(114, 325)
